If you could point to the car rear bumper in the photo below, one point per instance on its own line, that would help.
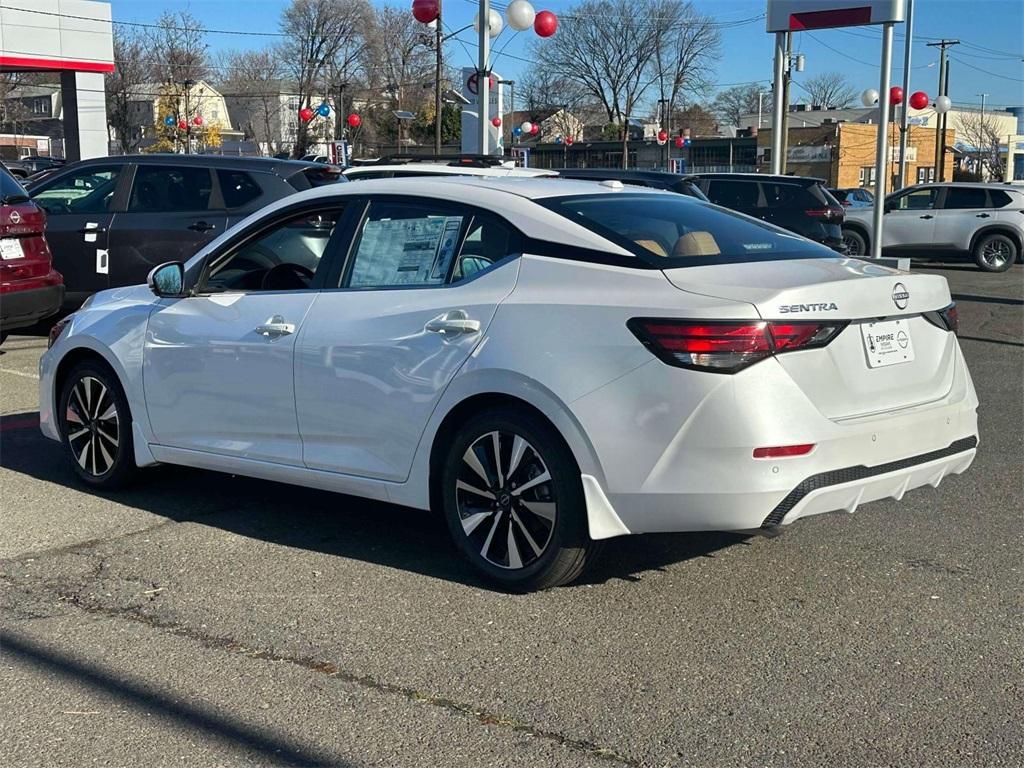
(19, 309)
(693, 468)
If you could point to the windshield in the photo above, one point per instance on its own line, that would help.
(668, 230)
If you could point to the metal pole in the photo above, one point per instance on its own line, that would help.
(780, 53)
(785, 101)
(901, 176)
(760, 94)
(438, 106)
(482, 82)
(940, 170)
(938, 117)
(882, 146)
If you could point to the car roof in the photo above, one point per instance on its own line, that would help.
(267, 164)
(758, 177)
(624, 173)
(967, 184)
(446, 169)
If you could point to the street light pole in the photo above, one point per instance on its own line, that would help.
(482, 78)
(882, 143)
(940, 119)
(438, 107)
(901, 175)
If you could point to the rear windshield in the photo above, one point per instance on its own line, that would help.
(10, 190)
(311, 177)
(675, 231)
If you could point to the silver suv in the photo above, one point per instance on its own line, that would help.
(984, 221)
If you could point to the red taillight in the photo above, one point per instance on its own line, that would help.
(781, 451)
(726, 346)
(825, 213)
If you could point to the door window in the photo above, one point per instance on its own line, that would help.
(88, 190)
(965, 197)
(405, 245)
(285, 257)
(237, 188)
(916, 200)
(167, 189)
(488, 241)
(733, 194)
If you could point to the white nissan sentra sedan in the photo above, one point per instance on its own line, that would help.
(548, 363)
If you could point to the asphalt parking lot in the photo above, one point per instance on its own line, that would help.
(203, 619)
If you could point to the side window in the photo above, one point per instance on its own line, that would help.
(237, 188)
(284, 257)
(998, 198)
(170, 189)
(405, 244)
(733, 194)
(488, 241)
(89, 190)
(965, 197)
(785, 195)
(916, 200)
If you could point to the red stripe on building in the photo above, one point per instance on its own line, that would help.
(64, 64)
(842, 17)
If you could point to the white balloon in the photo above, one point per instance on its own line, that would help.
(494, 26)
(869, 98)
(520, 15)
(527, 126)
(943, 104)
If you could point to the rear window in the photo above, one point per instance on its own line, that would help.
(732, 193)
(237, 188)
(313, 176)
(965, 197)
(998, 198)
(674, 231)
(10, 188)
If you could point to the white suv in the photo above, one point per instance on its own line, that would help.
(985, 221)
(464, 165)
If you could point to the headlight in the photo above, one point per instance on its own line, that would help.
(57, 330)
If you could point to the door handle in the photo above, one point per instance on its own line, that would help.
(275, 327)
(92, 230)
(981, 215)
(453, 323)
(201, 226)
(927, 216)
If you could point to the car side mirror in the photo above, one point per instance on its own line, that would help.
(167, 280)
(886, 207)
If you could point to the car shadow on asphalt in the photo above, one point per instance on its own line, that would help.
(330, 523)
(195, 717)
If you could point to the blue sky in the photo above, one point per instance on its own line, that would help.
(989, 60)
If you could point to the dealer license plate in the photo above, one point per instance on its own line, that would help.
(887, 342)
(10, 248)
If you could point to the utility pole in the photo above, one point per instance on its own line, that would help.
(787, 76)
(188, 121)
(663, 126)
(983, 95)
(483, 75)
(438, 66)
(940, 120)
(901, 173)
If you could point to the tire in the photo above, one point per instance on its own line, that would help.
(856, 244)
(995, 253)
(96, 426)
(546, 517)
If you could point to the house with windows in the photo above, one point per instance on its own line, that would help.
(150, 103)
(268, 114)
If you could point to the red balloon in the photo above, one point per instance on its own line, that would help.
(895, 95)
(355, 120)
(197, 120)
(496, 122)
(662, 135)
(679, 142)
(182, 125)
(534, 129)
(569, 140)
(305, 114)
(919, 100)
(545, 24)
(425, 11)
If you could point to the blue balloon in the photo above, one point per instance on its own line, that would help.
(323, 110)
(517, 130)
(558, 139)
(169, 120)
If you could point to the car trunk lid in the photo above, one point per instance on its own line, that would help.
(865, 369)
(24, 250)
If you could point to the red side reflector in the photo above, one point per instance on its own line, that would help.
(781, 451)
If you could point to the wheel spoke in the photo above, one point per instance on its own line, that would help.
(92, 452)
(519, 447)
(99, 400)
(496, 440)
(83, 457)
(515, 560)
(473, 461)
(526, 534)
(490, 535)
(101, 433)
(71, 415)
(106, 455)
(79, 433)
(471, 523)
(79, 387)
(110, 413)
(464, 486)
(545, 509)
(543, 477)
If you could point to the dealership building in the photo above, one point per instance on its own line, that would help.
(72, 40)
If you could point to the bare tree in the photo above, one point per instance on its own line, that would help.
(252, 83)
(979, 131)
(685, 48)
(177, 49)
(610, 60)
(732, 103)
(315, 32)
(830, 90)
(131, 70)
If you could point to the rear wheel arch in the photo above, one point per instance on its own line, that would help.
(997, 229)
(860, 230)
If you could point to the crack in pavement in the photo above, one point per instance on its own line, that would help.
(73, 595)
